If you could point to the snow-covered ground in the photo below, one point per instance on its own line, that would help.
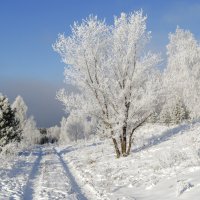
(164, 165)
(38, 174)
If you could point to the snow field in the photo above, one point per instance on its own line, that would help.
(165, 166)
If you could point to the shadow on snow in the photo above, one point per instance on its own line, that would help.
(28, 189)
(75, 188)
(166, 135)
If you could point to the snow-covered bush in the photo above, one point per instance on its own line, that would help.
(191, 142)
(174, 111)
(76, 127)
(171, 159)
(44, 138)
(53, 134)
(12, 149)
(63, 131)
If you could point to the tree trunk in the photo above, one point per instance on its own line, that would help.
(129, 145)
(123, 142)
(116, 147)
(131, 134)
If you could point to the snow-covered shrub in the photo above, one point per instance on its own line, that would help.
(11, 149)
(63, 131)
(53, 134)
(171, 159)
(174, 157)
(44, 138)
(76, 127)
(192, 143)
(174, 111)
(9, 124)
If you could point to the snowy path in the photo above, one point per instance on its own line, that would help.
(74, 186)
(53, 179)
(28, 191)
(41, 175)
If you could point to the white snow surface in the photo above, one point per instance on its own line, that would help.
(164, 165)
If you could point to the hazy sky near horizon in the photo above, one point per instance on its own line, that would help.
(28, 65)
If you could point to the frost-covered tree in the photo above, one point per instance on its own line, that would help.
(116, 78)
(9, 124)
(75, 128)
(21, 110)
(31, 135)
(181, 77)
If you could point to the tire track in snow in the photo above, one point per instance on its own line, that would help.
(74, 185)
(14, 180)
(29, 188)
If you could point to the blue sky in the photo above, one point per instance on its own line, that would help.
(28, 28)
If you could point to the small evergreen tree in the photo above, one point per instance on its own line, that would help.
(9, 124)
(179, 112)
(165, 114)
(174, 112)
(166, 117)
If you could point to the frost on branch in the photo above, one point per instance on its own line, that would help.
(117, 79)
